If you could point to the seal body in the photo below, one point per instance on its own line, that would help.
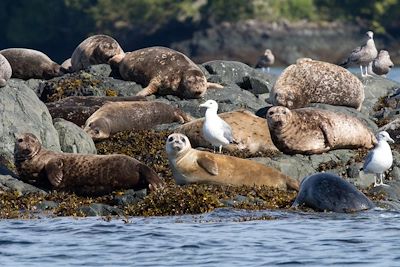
(5, 71)
(193, 166)
(96, 49)
(329, 192)
(115, 117)
(250, 132)
(311, 81)
(164, 71)
(84, 174)
(313, 131)
(28, 63)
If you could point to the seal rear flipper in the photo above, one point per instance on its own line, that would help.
(149, 177)
(214, 85)
(292, 184)
(150, 89)
(208, 164)
(54, 171)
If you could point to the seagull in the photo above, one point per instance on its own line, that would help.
(215, 130)
(380, 158)
(266, 60)
(363, 55)
(382, 63)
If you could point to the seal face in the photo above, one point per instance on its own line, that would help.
(193, 166)
(329, 192)
(115, 117)
(28, 63)
(82, 174)
(5, 71)
(313, 131)
(164, 71)
(310, 81)
(96, 49)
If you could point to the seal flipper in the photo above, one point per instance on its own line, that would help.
(208, 164)
(214, 85)
(329, 138)
(54, 171)
(148, 175)
(150, 89)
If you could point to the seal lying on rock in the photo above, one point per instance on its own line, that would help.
(96, 49)
(311, 81)
(115, 117)
(164, 71)
(5, 71)
(28, 63)
(313, 131)
(84, 174)
(249, 131)
(194, 166)
(329, 192)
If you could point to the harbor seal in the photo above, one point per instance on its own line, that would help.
(96, 49)
(249, 131)
(311, 81)
(28, 63)
(313, 131)
(164, 71)
(189, 165)
(66, 66)
(5, 71)
(329, 192)
(82, 174)
(115, 117)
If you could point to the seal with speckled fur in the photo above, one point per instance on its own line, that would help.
(313, 131)
(250, 132)
(83, 174)
(28, 63)
(164, 71)
(115, 117)
(310, 81)
(189, 165)
(5, 71)
(329, 192)
(96, 49)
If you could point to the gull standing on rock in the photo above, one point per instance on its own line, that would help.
(266, 60)
(380, 158)
(363, 55)
(382, 64)
(215, 130)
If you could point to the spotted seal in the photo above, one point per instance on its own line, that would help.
(5, 71)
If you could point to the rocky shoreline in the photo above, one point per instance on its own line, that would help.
(23, 110)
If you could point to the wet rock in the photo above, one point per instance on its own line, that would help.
(9, 183)
(130, 197)
(47, 205)
(97, 209)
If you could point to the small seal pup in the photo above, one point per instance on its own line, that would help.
(164, 71)
(382, 64)
(266, 60)
(28, 63)
(312, 81)
(115, 117)
(314, 131)
(329, 192)
(5, 71)
(189, 165)
(96, 49)
(250, 131)
(83, 174)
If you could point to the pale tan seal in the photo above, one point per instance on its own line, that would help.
(5, 71)
(249, 131)
(313, 131)
(189, 165)
(310, 81)
(85, 174)
(96, 49)
(164, 71)
(28, 63)
(115, 117)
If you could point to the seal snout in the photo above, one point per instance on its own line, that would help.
(277, 115)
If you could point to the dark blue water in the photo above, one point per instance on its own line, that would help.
(214, 239)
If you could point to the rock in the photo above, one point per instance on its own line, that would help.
(46, 205)
(393, 129)
(73, 139)
(21, 111)
(130, 197)
(97, 209)
(10, 183)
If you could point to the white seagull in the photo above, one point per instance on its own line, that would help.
(215, 130)
(380, 158)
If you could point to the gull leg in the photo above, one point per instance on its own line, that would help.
(381, 183)
(220, 149)
(362, 71)
(366, 70)
(268, 69)
(375, 183)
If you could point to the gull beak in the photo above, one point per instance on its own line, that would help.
(391, 140)
(203, 105)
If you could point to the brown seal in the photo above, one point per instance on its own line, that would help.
(115, 117)
(313, 131)
(78, 109)
(5, 71)
(311, 81)
(84, 174)
(28, 63)
(189, 165)
(249, 131)
(164, 71)
(96, 49)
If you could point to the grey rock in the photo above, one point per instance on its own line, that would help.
(97, 209)
(393, 129)
(73, 139)
(130, 197)
(10, 184)
(46, 205)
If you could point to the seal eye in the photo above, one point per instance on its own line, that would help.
(20, 140)
(96, 131)
(170, 139)
(284, 112)
(183, 140)
(270, 113)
